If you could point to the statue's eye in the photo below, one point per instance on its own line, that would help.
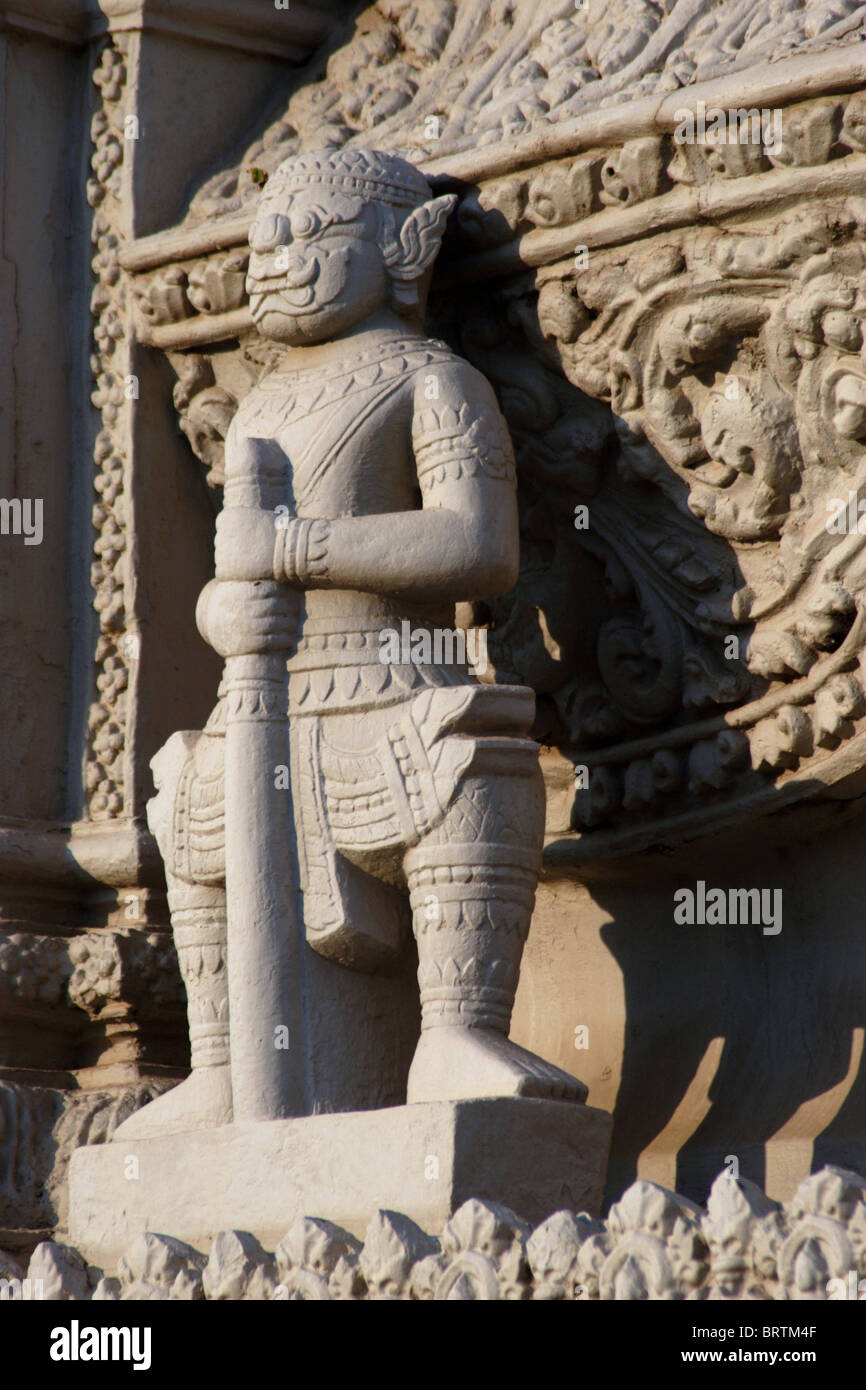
(305, 223)
(269, 231)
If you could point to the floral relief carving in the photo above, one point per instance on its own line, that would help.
(104, 774)
(654, 1246)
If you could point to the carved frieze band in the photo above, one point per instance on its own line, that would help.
(653, 1245)
(189, 286)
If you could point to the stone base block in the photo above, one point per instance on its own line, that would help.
(535, 1156)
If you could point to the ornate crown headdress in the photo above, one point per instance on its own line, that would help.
(362, 173)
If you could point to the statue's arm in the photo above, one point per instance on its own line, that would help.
(463, 543)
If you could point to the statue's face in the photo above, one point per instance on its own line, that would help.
(315, 268)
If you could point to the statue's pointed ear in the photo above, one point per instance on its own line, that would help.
(420, 238)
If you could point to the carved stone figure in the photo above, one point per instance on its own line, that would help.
(369, 486)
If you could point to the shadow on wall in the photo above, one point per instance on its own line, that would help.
(735, 1047)
(716, 1045)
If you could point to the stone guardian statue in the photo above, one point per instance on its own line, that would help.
(369, 488)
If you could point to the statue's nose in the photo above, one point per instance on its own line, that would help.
(270, 231)
(301, 270)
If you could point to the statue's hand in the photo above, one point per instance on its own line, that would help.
(238, 617)
(244, 545)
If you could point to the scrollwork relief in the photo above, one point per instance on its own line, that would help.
(106, 723)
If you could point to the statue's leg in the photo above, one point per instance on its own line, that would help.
(198, 919)
(189, 768)
(472, 887)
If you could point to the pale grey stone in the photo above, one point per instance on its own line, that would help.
(392, 1246)
(657, 1246)
(306, 568)
(59, 1271)
(553, 1249)
(484, 1245)
(238, 1268)
(161, 1267)
(527, 1152)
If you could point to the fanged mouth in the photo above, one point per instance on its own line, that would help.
(279, 301)
(291, 287)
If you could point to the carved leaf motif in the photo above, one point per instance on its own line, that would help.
(420, 235)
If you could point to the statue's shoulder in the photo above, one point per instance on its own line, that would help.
(253, 401)
(457, 426)
(454, 377)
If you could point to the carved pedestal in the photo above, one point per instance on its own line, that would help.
(534, 1156)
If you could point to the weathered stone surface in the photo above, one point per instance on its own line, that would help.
(552, 1251)
(39, 1129)
(238, 1267)
(654, 1246)
(392, 1246)
(161, 1267)
(58, 1272)
(425, 1160)
(316, 1256)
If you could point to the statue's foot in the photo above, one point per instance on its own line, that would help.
(203, 1101)
(453, 1063)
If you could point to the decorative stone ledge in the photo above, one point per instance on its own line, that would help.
(532, 201)
(654, 1245)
